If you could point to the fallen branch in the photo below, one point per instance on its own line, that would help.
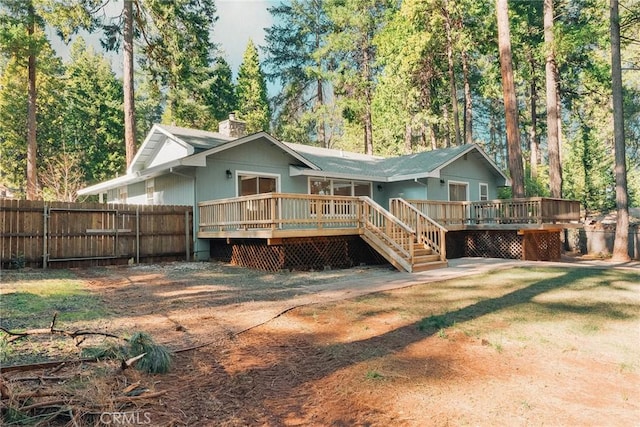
(42, 378)
(51, 330)
(50, 403)
(140, 397)
(44, 365)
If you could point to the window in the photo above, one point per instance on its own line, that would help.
(256, 184)
(336, 187)
(457, 191)
(150, 188)
(484, 192)
(122, 194)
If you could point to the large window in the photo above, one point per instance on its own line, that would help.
(458, 191)
(256, 184)
(338, 187)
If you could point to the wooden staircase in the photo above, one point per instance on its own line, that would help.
(424, 259)
(412, 249)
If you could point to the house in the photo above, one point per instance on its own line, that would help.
(179, 166)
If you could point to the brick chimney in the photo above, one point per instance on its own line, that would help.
(232, 127)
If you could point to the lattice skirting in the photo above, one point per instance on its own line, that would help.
(534, 245)
(311, 253)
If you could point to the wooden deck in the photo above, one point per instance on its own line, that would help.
(410, 235)
(509, 214)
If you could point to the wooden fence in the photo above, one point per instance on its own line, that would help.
(57, 234)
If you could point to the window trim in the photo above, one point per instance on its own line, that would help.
(480, 186)
(353, 183)
(150, 184)
(466, 184)
(238, 173)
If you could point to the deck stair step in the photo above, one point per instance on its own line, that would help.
(429, 266)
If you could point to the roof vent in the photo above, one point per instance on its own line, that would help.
(232, 127)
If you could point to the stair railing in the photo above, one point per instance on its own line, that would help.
(428, 232)
(388, 230)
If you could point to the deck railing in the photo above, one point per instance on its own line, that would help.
(428, 232)
(279, 211)
(535, 210)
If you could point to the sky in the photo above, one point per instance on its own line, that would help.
(238, 21)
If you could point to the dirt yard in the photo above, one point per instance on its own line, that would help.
(545, 345)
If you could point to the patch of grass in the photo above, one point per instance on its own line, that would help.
(627, 367)
(433, 322)
(374, 375)
(30, 303)
(590, 328)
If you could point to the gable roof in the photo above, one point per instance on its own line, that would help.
(194, 140)
(194, 146)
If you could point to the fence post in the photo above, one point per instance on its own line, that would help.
(45, 248)
(186, 234)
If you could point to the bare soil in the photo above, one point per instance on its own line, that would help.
(559, 347)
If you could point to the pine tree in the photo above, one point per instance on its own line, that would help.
(14, 117)
(93, 119)
(220, 95)
(510, 102)
(177, 53)
(300, 31)
(350, 46)
(251, 90)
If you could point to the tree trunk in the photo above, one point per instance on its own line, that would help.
(127, 75)
(553, 116)
(621, 243)
(367, 122)
(445, 118)
(468, 101)
(408, 149)
(32, 146)
(514, 151)
(452, 75)
(322, 134)
(533, 132)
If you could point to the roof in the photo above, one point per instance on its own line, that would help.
(193, 139)
(194, 146)
(426, 164)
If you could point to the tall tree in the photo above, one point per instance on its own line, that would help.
(351, 47)
(620, 246)
(221, 95)
(299, 31)
(251, 90)
(178, 53)
(510, 103)
(93, 118)
(14, 113)
(21, 35)
(551, 78)
(129, 87)
(22, 38)
(175, 52)
(452, 74)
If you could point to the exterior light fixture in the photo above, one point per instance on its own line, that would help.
(229, 174)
